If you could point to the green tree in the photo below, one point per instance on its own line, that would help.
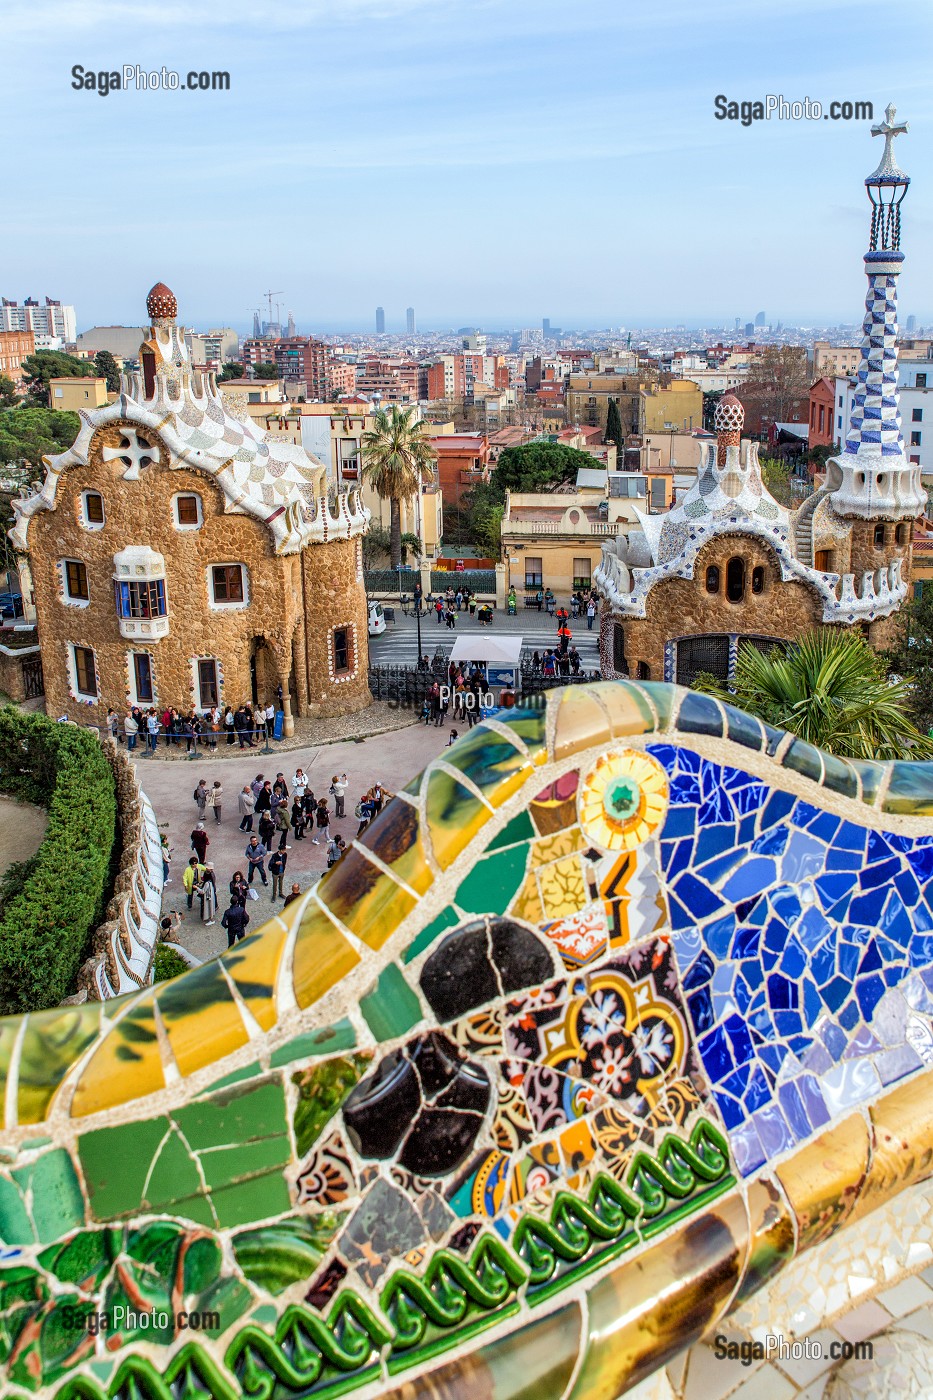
(397, 458)
(776, 476)
(485, 508)
(710, 402)
(28, 434)
(818, 456)
(8, 395)
(231, 369)
(911, 656)
(377, 543)
(265, 369)
(105, 367)
(44, 365)
(538, 466)
(832, 690)
(614, 431)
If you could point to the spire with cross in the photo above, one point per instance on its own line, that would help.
(888, 169)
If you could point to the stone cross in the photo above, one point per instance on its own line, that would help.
(889, 128)
(137, 453)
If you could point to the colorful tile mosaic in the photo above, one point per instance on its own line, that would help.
(619, 1009)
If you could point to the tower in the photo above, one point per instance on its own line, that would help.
(380, 321)
(410, 320)
(871, 480)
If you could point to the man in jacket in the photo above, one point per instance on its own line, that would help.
(246, 805)
(256, 855)
(235, 921)
(277, 863)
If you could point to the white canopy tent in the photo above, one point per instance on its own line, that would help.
(490, 650)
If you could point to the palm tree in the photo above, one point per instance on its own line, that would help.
(829, 688)
(397, 457)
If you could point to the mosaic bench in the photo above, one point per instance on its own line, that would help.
(622, 1005)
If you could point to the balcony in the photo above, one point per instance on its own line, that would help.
(557, 527)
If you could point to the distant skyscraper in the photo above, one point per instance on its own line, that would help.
(760, 319)
(257, 328)
(911, 325)
(410, 320)
(291, 329)
(738, 323)
(546, 326)
(380, 321)
(749, 328)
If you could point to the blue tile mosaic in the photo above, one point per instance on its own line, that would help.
(801, 936)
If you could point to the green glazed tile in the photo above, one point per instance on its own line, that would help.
(490, 762)
(246, 1202)
(804, 758)
(340, 1036)
(52, 1185)
(910, 789)
(225, 1165)
(391, 1008)
(174, 1174)
(15, 1225)
(493, 882)
(321, 1090)
(871, 774)
(52, 1042)
(234, 1116)
(518, 829)
(235, 1077)
(454, 816)
(530, 726)
(116, 1162)
(446, 919)
(661, 696)
(699, 714)
(839, 775)
(743, 729)
(278, 1255)
(197, 1209)
(773, 738)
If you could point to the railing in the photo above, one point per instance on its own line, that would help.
(476, 580)
(558, 527)
(390, 580)
(407, 686)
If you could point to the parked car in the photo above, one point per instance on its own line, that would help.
(11, 605)
(377, 621)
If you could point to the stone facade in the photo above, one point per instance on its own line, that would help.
(161, 489)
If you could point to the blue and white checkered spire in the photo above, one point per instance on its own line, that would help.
(871, 477)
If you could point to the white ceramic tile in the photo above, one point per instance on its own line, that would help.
(709, 1378)
(766, 1384)
(806, 1369)
(906, 1297)
(863, 1321)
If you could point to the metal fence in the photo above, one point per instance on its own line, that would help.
(476, 580)
(407, 686)
(390, 580)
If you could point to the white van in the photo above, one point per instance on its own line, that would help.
(377, 622)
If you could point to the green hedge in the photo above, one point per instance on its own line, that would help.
(168, 964)
(44, 928)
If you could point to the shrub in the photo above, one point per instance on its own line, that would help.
(45, 925)
(168, 963)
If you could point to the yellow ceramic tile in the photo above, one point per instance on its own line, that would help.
(126, 1065)
(581, 722)
(563, 888)
(396, 840)
(902, 1147)
(364, 898)
(322, 956)
(627, 708)
(454, 817)
(53, 1041)
(527, 903)
(491, 763)
(201, 1018)
(253, 967)
(562, 843)
(823, 1180)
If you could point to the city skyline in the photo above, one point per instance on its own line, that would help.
(608, 193)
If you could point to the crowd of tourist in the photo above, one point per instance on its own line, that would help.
(248, 725)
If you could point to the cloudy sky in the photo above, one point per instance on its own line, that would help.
(489, 162)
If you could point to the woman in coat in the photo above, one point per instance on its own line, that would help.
(246, 806)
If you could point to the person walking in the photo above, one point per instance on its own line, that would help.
(590, 614)
(282, 823)
(266, 829)
(299, 783)
(207, 893)
(439, 610)
(235, 921)
(264, 797)
(364, 812)
(246, 806)
(322, 822)
(200, 841)
(298, 819)
(338, 787)
(238, 888)
(131, 730)
(277, 863)
(215, 799)
(256, 784)
(335, 849)
(191, 879)
(200, 797)
(280, 786)
(152, 730)
(256, 854)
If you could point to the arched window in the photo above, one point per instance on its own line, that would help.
(879, 537)
(148, 360)
(712, 579)
(619, 662)
(644, 671)
(735, 579)
(899, 534)
(758, 579)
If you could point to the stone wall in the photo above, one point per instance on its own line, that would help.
(11, 670)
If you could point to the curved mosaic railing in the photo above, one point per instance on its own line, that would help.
(617, 1008)
(125, 942)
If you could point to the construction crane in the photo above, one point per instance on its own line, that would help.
(269, 296)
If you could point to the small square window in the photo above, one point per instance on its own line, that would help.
(207, 683)
(85, 672)
(921, 381)
(92, 507)
(142, 677)
(917, 415)
(76, 585)
(228, 583)
(915, 439)
(188, 511)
